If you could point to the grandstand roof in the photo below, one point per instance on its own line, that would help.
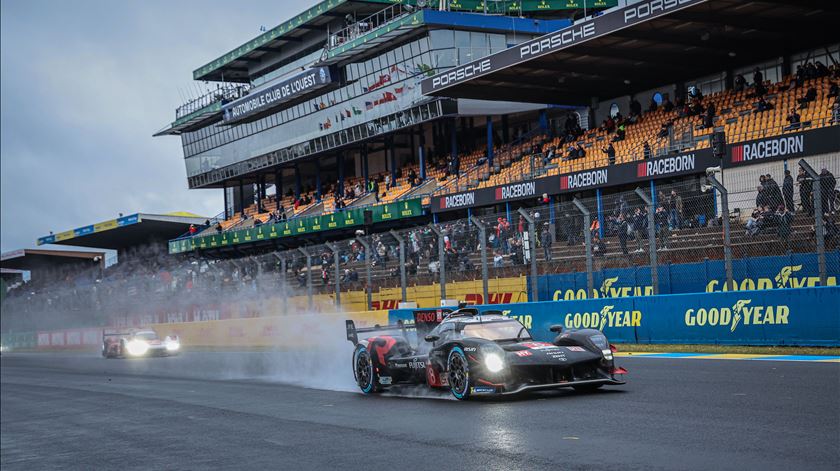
(35, 259)
(233, 66)
(640, 47)
(128, 231)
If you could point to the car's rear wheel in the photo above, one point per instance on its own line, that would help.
(458, 372)
(364, 371)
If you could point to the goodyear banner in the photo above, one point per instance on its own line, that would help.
(799, 316)
(301, 226)
(758, 273)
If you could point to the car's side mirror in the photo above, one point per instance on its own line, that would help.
(432, 338)
(557, 328)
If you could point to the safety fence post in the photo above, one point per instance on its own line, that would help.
(532, 246)
(654, 265)
(308, 276)
(587, 236)
(819, 229)
(482, 237)
(441, 261)
(403, 281)
(336, 260)
(727, 241)
(368, 261)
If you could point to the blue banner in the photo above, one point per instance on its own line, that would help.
(797, 270)
(802, 316)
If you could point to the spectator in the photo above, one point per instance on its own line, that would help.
(193, 229)
(619, 133)
(581, 152)
(709, 120)
(660, 218)
(784, 218)
(787, 191)
(545, 241)
(833, 90)
(810, 96)
(498, 260)
(740, 83)
(412, 177)
(758, 77)
(639, 226)
(652, 106)
(675, 208)
(763, 105)
(665, 129)
(610, 151)
(635, 107)
(667, 105)
(793, 118)
(623, 230)
(219, 228)
(598, 247)
(647, 153)
(775, 198)
(806, 186)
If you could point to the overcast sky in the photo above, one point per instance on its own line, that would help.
(84, 85)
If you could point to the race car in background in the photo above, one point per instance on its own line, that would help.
(473, 353)
(137, 343)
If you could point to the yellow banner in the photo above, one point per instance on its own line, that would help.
(104, 226)
(65, 235)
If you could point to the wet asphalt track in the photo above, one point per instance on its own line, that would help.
(84, 412)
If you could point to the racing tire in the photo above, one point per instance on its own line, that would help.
(585, 388)
(458, 374)
(364, 371)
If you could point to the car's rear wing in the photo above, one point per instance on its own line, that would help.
(115, 333)
(353, 332)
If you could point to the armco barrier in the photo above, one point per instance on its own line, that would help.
(280, 332)
(797, 270)
(796, 316)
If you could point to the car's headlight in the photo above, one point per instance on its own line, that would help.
(173, 345)
(493, 362)
(137, 347)
(600, 341)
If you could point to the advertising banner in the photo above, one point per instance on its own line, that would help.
(787, 146)
(300, 226)
(796, 270)
(281, 92)
(662, 167)
(556, 41)
(797, 316)
(98, 227)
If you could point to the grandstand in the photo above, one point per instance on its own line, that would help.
(418, 125)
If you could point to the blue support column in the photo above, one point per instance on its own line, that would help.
(297, 181)
(653, 194)
(422, 153)
(490, 141)
(340, 163)
(365, 173)
(543, 120)
(392, 155)
(600, 214)
(278, 187)
(435, 218)
(453, 142)
(469, 213)
(318, 191)
(507, 212)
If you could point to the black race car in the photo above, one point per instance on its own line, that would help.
(474, 353)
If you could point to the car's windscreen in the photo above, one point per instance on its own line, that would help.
(498, 330)
(146, 336)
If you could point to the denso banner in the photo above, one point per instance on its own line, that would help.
(795, 316)
(758, 273)
(281, 92)
(661, 167)
(555, 41)
(802, 144)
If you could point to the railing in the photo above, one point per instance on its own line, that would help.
(223, 92)
(368, 25)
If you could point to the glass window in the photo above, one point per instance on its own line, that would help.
(462, 39)
(613, 110)
(657, 97)
(441, 38)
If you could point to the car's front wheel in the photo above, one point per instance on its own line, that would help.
(364, 371)
(458, 371)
